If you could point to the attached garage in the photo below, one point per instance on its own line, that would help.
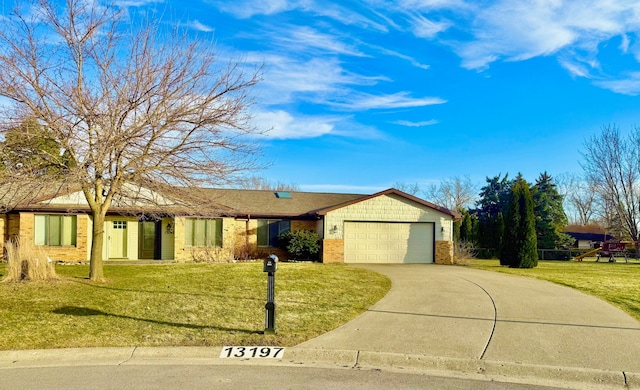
(388, 242)
(388, 227)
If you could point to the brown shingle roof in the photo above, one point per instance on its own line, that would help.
(265, 203)
(591, 229)
(260, 203)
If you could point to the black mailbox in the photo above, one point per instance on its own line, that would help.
(270, 263)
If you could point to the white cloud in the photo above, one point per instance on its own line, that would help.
(624, 44)
(518, 31)
(347, 16)
(434, 4)
(411, 60)
(249, 8)
(315, 80)
(301, 39)
(515, 31)
(282, 125)
(626, 86)
(575, 68)
(198, 26)
(417, 124)
(136, 3)
(365, 101)
(425, 28)
(279, 124)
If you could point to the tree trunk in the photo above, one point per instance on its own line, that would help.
(95, 262)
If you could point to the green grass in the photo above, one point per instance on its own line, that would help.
(617, 283)
(182, 305)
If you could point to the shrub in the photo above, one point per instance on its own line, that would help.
(300, 244)
(27, 262)
(463, 251)
(210, 254)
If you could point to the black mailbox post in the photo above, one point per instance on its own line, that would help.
(270, 266)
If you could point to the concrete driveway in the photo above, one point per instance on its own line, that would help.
(461, 313)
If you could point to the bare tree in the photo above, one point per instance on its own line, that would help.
(260, 183)
(581, 198)
(612, 164)
(411, 189)
(456, 193)
(127, 100)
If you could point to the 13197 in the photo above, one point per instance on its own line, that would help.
(252, 352)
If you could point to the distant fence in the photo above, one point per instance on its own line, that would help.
(543, 254)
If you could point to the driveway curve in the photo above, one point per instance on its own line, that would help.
(456, 312)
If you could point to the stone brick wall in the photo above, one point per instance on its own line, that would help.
(444, 252)
(333, 251)
(13, 227)
(183, 253)
(22, 225)
(303, 225)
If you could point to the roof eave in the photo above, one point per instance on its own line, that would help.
(394, 192)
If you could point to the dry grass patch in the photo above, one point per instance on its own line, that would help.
(182, 304)
(26, 262)
(616, 283)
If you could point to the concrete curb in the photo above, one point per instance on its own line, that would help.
(568, 377)
(565, 377)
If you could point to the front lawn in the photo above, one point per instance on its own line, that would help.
(617, 283)
(182, 304)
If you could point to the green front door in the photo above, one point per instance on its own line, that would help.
(147, 244)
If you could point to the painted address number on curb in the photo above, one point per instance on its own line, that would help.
(252, 352)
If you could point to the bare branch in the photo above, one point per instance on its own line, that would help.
(128, 101)
(456, 193)
(612, 165)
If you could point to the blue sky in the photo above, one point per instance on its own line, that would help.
(361, 95)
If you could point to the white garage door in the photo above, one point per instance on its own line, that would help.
(385, 242)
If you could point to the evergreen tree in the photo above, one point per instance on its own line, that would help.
(457, 228)
(29, 147)
(466, 227)
(550, 216)
(494, 197)
(519, 248)
(500, 230)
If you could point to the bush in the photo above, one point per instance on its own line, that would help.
(463, 251)
(300, 244)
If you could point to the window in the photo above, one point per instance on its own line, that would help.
(120, 225)
(55, 230)
(269, 230)
(203, 232)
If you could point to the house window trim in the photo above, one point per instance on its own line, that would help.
(46, 235)
(217, 241)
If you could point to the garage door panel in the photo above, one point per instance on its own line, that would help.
(384, 242)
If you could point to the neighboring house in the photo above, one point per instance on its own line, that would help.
(387, 227)
(588, 236)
